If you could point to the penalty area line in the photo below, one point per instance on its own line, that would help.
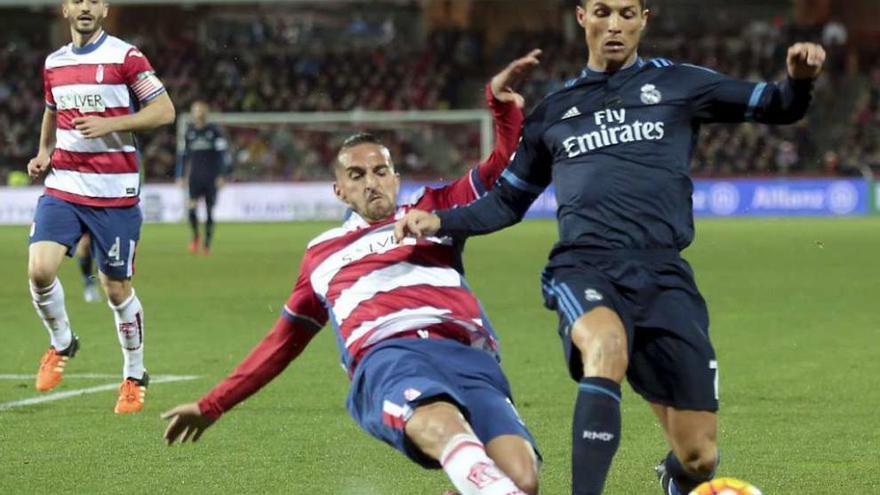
(83, 391)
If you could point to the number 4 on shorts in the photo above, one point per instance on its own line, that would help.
(114, 250)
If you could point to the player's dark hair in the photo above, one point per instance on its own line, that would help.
(643, 4)
(359, 138)
(355, 140)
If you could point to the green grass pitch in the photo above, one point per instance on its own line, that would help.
(794, 308)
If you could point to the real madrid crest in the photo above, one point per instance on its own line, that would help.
(99, 74)
(651, 95)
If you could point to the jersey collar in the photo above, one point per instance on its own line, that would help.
(89, 47)
(589, 73)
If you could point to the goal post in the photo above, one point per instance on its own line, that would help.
(424, 137)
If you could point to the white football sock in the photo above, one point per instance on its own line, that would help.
(129, 318)
(49, 303)
(472, 471)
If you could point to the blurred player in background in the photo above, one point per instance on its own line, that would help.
(88, 152)
(202, 166)
(87, 269)
(421, 355)
(616, 142)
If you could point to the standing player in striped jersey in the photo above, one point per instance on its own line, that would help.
(420, 353)
(616, 142)
(88, 151)
(202, 167)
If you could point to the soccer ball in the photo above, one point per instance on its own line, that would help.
(726, 486)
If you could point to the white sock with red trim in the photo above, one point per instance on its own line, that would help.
(129, 318)
(49, 303)
(472, 471)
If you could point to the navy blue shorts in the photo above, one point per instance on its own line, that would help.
(203, 188)
(398, 375)
(671, 359)
(114, 232)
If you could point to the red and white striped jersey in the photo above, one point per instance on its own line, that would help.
(106, 78)
(370, 288)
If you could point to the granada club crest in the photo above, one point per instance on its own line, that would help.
(651, 95)
(99, 74)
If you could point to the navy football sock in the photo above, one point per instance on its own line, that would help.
(684, 480)
(209, 229)
(194, 223)
(85, 268)
(595, 434)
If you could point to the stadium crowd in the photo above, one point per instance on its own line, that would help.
(268, 65)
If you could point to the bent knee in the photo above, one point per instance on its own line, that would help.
(433, 425)
(701, 460)
(525, 476)
(41, 275)
(117, 291)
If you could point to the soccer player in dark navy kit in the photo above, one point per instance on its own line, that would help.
(617, 142)
(204, 163)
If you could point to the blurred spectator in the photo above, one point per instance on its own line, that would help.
(275, 60)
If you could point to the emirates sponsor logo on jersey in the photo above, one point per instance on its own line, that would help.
(613, 129)
(83, 103)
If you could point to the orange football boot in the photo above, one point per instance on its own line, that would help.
(52, 365)
(131, 395)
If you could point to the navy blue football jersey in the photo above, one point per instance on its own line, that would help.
(205, 155)
(617, 147)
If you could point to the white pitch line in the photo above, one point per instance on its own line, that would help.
(67, 376)
(90, 390)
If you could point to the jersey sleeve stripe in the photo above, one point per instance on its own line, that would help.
(153, 96)
(147, 87)
(518, 183)
(753, 101)
(476, 183)
(309, 323)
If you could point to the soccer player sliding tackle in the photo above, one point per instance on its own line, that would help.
(88, 152)
(420, 353)
(616, 142)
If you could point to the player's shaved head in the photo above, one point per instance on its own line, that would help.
(357, 140)
(365, 177)
(643, 4)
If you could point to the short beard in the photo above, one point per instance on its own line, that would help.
(95, 27)
(376, 215)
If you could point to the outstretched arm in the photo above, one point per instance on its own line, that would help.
(506, 106)
(268, 359)
(300, 320)
(723, 99)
